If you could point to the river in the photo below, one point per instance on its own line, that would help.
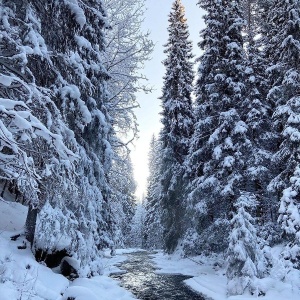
(140, 278)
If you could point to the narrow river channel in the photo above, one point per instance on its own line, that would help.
(140, 278)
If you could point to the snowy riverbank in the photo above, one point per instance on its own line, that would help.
(209, 277)
(22, 278)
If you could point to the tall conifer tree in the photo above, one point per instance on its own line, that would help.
(257, 113)
(153, 228)
(177, 120)
(217, 162)
(66, 90)
(284, 74)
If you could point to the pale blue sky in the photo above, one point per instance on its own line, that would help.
(156, 21)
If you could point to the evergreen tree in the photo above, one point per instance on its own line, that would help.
(220, 145)
(177, 120)
(66, 90)
(135, 237)
(153, 229)
(123, 200)
(245, 260)
(284, 74)
(74, 32)
(38, 130)
(257, 113)
(289, 218)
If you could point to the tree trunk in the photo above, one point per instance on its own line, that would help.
(30, 224)
(4, 188)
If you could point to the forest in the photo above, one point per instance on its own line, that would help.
(224, 171)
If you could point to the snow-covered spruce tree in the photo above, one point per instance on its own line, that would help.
(74, 32)
(220, 145)
(135, 237)
(245, 259)
(284, 74)
(123, 186)
(177, 120)
(289, 218)
(123, 200)
(37, 130)
(153, 228)
(73, 78)
(257, 113)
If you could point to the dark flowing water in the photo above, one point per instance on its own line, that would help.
(140, 278)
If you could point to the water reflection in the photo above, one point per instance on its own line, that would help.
(142, 281)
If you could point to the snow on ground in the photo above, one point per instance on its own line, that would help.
(97, 288)
(22, 278)
(12, 216)
(208, 277)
